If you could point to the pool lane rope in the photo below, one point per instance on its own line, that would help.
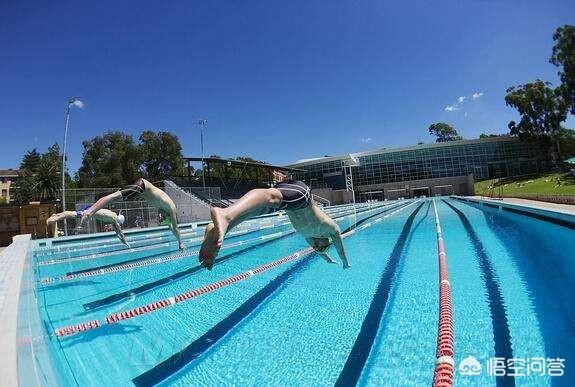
(444, 364)
(182, 297)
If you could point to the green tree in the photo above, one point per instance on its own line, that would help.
(567, 142)
(40, 176)
(46, 183)
(110, 160)
(161, 155)
(30, 161)
(542, 109)
(444, 132)
(24, 188)
(250, 173)
(491, 135)
(563, 56)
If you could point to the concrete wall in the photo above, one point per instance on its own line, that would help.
(339, 196)
(458, 185)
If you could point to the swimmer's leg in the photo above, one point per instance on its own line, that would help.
(255, 202)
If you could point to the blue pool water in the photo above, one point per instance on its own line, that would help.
(307, 322)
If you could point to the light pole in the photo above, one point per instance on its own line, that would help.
(202, 124)
(71, 102)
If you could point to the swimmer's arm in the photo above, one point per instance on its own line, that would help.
(120, 233)
(174, 226)
(338, 243)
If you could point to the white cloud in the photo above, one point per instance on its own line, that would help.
(460, 101)
(365, 139)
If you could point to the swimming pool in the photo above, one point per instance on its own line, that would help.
(305, 322)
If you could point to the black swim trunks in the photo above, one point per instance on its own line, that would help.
(295, 195)
(133, 189)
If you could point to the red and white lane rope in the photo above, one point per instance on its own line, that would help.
(444, 364)
(160, 304)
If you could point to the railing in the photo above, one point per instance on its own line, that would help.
(321, 200)
(211, 201)
(443, 376)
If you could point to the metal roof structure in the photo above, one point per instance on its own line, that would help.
(344, 158)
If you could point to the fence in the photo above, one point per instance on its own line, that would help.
(28, 219)
(138, 214)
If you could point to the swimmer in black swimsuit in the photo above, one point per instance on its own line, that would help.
(151, 194)
(292, 196)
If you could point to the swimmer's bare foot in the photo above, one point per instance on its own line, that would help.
(213, 238)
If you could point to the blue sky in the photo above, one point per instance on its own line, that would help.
(277, 80)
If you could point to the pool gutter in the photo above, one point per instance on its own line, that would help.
(559, 215)
(12, 259)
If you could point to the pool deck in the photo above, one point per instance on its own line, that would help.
(12, 259)
(561, 208)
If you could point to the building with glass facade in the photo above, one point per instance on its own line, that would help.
(426, 169)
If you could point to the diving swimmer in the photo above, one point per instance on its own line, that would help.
(151, 194)
(104, 215)
(292, 196)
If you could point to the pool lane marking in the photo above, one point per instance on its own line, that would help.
(501, 333)
(357, 358)
(194, 350)
(148, 308)
(445, 348)
(144, 262)
(151, 285)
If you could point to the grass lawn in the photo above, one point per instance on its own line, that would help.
(551, 184)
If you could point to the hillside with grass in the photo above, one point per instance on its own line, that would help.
(548, 184)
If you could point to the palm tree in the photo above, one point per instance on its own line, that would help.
(46, 183)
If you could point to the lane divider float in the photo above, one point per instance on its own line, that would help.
(444, 363)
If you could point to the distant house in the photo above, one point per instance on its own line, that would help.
(7, 179)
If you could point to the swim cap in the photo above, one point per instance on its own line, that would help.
(121, 219)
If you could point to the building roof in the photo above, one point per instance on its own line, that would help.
(9, 172)
(304, 162)
(242, 163)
